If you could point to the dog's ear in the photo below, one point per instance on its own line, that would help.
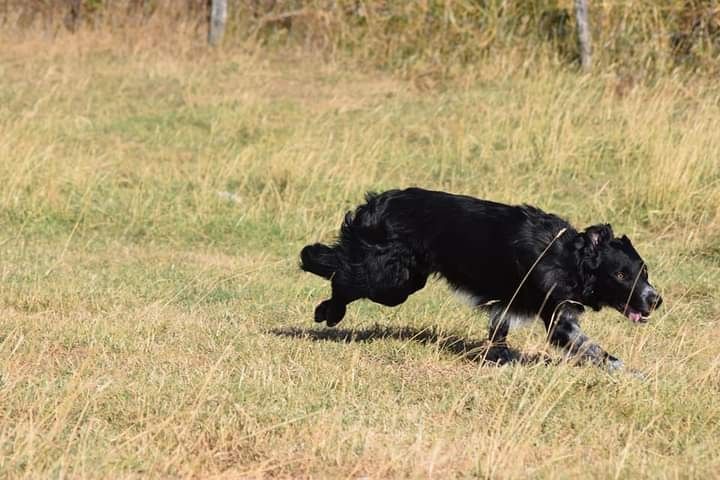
(589, 258)
(598, 234)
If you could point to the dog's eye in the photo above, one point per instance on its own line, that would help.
(619, 275)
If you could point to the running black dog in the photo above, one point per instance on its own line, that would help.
(517, 261)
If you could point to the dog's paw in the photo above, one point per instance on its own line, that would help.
(615, 365)
(329, 312)
(496, 353)
(321, 311)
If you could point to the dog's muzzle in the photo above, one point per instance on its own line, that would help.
(650, 300)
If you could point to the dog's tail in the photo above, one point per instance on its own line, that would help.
(320, 260)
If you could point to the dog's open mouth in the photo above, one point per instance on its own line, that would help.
(635, 316)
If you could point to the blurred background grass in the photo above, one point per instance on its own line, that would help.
(156, 193)
(427, 38)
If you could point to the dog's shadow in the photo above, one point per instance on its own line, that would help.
(477, 351)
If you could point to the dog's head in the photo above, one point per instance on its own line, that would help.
(615, 275)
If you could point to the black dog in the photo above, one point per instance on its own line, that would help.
(516, 261)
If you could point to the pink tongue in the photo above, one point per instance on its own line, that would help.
(633, 316)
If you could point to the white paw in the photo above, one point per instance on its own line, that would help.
(615, 365)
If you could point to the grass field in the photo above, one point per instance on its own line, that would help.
(155, 323)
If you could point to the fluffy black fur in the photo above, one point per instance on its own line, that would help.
(516, 261)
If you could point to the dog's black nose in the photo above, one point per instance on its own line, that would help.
(658, 301)
(653, 299)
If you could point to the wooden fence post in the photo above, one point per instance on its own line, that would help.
(583, 32)
(72, 18)
(218, 17)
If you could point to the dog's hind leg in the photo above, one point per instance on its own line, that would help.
(344, 292)
(348, 285)
(386, 274)
(394, 273)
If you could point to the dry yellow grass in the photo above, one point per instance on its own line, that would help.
(154, 322)
(426, 38)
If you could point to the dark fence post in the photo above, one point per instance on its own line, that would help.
(72, 19)
(583, 32)
(218, 17)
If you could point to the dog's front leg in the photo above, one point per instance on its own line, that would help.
(564, 331)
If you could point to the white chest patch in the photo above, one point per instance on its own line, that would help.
(511, 319)
(516, 321)
(466, 297)
(472, 299)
